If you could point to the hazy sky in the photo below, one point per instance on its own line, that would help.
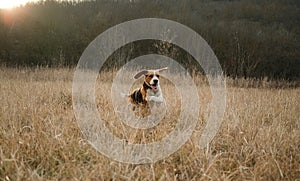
(12, 3)
(7, 4)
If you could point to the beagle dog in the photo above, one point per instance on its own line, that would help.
(150, 91)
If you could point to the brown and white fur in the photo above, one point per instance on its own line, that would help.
(150, 91)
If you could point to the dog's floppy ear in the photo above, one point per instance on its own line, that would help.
(165, 68)
(139, 74)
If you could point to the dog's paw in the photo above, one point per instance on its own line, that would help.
(148, 98)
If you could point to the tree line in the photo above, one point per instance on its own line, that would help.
(251, 38)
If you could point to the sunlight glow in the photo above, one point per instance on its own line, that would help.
(8, 4)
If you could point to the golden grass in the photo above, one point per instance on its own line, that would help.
(39, 138)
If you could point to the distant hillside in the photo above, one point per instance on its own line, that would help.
(252, 38)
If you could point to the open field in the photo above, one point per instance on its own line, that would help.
(39, 137)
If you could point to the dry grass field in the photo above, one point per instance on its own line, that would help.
(259, 138)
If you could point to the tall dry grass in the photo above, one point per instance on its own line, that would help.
(39, 138)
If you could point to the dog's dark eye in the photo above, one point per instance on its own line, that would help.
(157, 76)
(151, 76)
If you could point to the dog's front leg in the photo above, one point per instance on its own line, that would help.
(155, 98)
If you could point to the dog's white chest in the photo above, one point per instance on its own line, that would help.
(150, 92)
(155, 96)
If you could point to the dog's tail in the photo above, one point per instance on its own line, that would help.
(124, 95)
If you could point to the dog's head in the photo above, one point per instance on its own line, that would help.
(151, 77)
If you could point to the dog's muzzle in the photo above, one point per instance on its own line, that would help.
(154, 86)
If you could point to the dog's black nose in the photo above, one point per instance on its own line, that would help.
(155, 81)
